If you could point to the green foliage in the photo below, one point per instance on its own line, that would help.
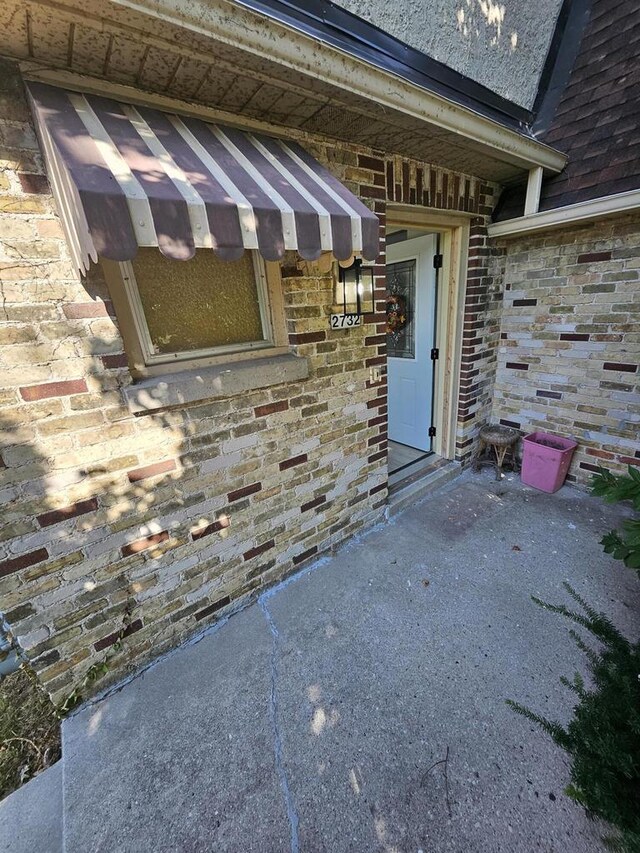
(603, 738)
(623, 545)
(97, 670)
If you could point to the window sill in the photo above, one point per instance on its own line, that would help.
(210, 383)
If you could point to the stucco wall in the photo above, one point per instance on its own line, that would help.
(502, 45)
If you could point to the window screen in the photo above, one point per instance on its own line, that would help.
(198, 304)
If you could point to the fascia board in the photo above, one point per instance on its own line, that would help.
(572, 213)
(239, 27)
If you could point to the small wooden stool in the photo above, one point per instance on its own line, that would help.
(502, 440)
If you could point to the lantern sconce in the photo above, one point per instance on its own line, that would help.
(353, 287)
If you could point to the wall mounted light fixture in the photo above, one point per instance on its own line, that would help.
(353, 288)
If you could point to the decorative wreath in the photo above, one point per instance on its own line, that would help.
(396, 315)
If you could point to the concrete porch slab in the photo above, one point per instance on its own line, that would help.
(31, 817)
(312, 721)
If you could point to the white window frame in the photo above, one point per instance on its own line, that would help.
(144, 361)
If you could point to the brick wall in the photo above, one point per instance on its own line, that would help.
(481, 334)
(570, 340)
(386, 180)
(143, 529)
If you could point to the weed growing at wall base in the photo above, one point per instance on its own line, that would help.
(603, 738)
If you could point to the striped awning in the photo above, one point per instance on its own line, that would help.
(126, 176)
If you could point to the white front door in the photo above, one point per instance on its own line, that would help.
(411, 302)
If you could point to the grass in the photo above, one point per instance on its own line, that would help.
(29, 730)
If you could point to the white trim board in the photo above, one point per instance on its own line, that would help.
(572, 213)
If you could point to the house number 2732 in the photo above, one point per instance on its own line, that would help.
(345, 321)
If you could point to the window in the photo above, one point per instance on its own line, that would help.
(176, 314)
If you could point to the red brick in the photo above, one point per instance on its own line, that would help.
(34, 184)
(629, 460)
(53, 389)
(271, 408)
(376, 489)
(599, 454)
(87, 310)
(259, 549)
(372, 192)
(625, 368)
(515, 365)
(154, 470)
(390, 177)
(308, 338)
(71, 511)
(111, 639)
(144, 544)
(377, 439)
(314, 503)
(244, 492)
(373, 163)
(295, 460)
(111, 362)
(593, 257)
(214, 527)
(375, 340)
(381, 419)
(588, 467)
(305, 555)
(377, 402)
(8, 567)
(217, 605)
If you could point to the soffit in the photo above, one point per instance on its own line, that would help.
(103, 40)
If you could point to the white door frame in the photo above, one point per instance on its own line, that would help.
(453, 229)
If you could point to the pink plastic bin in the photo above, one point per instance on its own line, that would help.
(545, 460)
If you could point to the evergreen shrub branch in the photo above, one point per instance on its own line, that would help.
(603, 738)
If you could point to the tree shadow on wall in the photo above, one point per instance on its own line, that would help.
(93, 499)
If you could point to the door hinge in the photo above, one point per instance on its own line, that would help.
(435, 354)
(432, 432)
(437, 262)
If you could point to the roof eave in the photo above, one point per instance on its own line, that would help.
(292, 48)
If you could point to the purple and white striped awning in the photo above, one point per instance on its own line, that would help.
(126, 176)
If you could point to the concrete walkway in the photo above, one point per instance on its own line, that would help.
(314, 720)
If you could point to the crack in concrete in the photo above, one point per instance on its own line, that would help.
(277, 739)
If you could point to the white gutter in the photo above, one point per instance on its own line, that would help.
(238, 27)
(581, 212)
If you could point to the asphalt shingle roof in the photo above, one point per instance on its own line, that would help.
(597, 120)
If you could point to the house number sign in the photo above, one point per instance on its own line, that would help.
(345, 321)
